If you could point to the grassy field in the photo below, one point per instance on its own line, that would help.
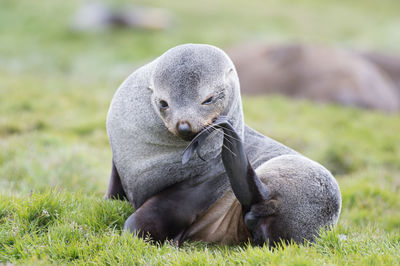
(55, 88)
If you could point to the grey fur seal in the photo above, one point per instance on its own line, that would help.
(265, 193)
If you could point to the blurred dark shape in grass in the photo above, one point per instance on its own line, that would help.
(96, 16)
(36, 38)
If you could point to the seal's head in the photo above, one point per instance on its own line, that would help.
(192, 85)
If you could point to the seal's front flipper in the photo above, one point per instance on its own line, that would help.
(115, 190)
(168, 214)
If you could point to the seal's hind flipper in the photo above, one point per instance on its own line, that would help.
(198, 141)
(244, 181)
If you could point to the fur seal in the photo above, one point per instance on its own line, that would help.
(172, 100)
(318, 73)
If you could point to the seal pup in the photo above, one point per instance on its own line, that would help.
(165, 104)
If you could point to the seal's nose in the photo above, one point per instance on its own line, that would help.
(184, 129)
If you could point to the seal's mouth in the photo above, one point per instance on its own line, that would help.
(190, 137)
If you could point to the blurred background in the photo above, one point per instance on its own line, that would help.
(319, 76)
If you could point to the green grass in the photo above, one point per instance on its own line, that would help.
(64, 227)
(55, 88)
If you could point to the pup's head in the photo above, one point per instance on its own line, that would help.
(192, 85)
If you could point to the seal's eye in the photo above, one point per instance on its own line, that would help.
(164, 105)
(208, 101)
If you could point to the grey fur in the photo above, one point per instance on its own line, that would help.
(148, 156)
(307, 194)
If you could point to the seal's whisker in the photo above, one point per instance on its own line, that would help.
(226, 135)
(228, 129)
(234, 154)
(216, 129)
(232, 137)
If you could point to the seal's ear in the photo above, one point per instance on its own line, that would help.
(230, 76)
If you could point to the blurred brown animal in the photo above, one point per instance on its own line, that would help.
(319, 73)
(389, 64)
